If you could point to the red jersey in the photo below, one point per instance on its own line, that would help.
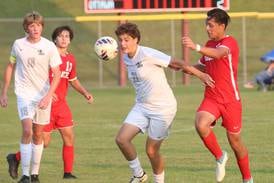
(68, 73)
(223, 71)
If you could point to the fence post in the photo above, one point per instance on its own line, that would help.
(100, 62)
(244, 49)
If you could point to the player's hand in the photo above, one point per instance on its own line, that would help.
(207, 80)
(89, 98)
(187, 42)
(54, 98)
(44, 102)
(4, 100)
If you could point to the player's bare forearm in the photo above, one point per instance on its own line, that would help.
(53, 85)
(55, 80)
(205, 78)
(207, 51)
(79, 88)
(7, 78)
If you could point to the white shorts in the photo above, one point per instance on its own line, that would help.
(156, 123)
(29, 109)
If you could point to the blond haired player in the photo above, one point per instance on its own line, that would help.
(155, 105)
(31, 57)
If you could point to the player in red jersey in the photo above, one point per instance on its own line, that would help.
(61, 117)
(220, 60)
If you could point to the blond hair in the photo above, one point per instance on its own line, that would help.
(32, 17)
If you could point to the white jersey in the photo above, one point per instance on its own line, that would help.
(33, 61)
(147, 75)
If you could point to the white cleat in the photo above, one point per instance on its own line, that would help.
(220, 168)
(141, 179)
(248, 181)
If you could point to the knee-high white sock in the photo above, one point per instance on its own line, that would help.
(136, 168)
(37, 151)
(25, 150)
(159, 178)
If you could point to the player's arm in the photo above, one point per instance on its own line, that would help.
(194, 70)
(7, 80)
(79, 88)
(53, 85)
(216, 53)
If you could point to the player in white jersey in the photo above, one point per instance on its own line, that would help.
(31, 57)
(155, 105)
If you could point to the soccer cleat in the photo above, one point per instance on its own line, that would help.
(220, 169)
(141, 179)
(13, 165)
(34, 179)
(248, 181)
(69, 176)
(24, 179)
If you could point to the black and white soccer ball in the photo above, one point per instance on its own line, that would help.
(106, 48)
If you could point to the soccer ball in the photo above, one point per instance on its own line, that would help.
(106, 48)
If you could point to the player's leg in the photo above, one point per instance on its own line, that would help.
(134, 123)
(156, 159)
(206, 116)
(25, 148)
(124, 141)
(41, 118)
(48, 128)
(241, 154)
(158, 130)
(203, 126)
(68, 151)
(232, 121)
(37, 150)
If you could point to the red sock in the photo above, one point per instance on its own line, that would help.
(68, 157)
(243, 164)
(211, 143)
(18, 156)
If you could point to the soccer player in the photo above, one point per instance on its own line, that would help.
(61, 117)
(31, 57)
(155, 105)
(220, 60)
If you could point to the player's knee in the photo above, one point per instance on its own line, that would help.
(27, 133)
(151, 153)
(120, 141)
(200, 126)
(235, 142)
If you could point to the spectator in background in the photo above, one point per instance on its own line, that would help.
(263, 78)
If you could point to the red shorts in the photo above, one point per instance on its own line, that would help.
(60, 117)
(231, 113)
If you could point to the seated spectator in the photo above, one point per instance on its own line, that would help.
(264, 78)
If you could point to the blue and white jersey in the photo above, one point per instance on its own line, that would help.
(147, 75)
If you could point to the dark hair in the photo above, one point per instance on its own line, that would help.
(129, 28)
(220, 16)
(58, 30)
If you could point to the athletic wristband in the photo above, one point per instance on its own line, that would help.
(198, 47)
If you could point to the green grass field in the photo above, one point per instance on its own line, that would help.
(98, 159)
